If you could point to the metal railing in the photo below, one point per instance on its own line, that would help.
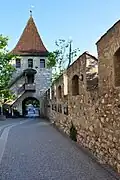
(30, 87)
(26, 87)
(21, 89)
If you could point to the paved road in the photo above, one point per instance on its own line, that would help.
(34, 150)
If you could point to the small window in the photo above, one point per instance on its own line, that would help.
(59, 108)
(18, 63)
(66, 109)
(52, 106)
(48, 93)
(59, 92)
(30, 63)
(75, 85)
(42, 63)
(81, 77)
(55, 106)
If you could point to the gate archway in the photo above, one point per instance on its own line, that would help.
(30, 107)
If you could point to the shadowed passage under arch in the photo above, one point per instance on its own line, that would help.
(30, 107)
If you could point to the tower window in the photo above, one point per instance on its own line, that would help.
(18, 63)
(42, 63)
(30, 63)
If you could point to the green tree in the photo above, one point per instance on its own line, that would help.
(6, 69)
(61, 58)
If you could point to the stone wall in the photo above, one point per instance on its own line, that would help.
(94, 108)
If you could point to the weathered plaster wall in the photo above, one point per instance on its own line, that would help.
(42, 80)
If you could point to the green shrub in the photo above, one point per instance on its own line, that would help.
(73, 133)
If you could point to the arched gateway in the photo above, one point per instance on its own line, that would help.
(30, 107)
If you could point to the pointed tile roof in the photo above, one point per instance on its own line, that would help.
(30, 42)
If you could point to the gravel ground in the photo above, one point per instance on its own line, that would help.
(37, 151)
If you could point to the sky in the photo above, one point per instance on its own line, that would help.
(84, 21)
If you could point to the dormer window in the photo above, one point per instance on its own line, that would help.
(42, 63)
(18, 63)
(30, 63)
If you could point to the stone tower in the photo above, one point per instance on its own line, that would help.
(32, 77)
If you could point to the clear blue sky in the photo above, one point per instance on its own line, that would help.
(85, 21)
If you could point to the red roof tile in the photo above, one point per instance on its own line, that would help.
(30, 42)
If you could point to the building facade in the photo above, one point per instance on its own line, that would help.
(32, 77)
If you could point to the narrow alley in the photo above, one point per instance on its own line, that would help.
(33, 149)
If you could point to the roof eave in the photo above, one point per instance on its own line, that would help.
(42, 54)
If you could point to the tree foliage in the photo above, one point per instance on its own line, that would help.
(6, 69)
(61, 58)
